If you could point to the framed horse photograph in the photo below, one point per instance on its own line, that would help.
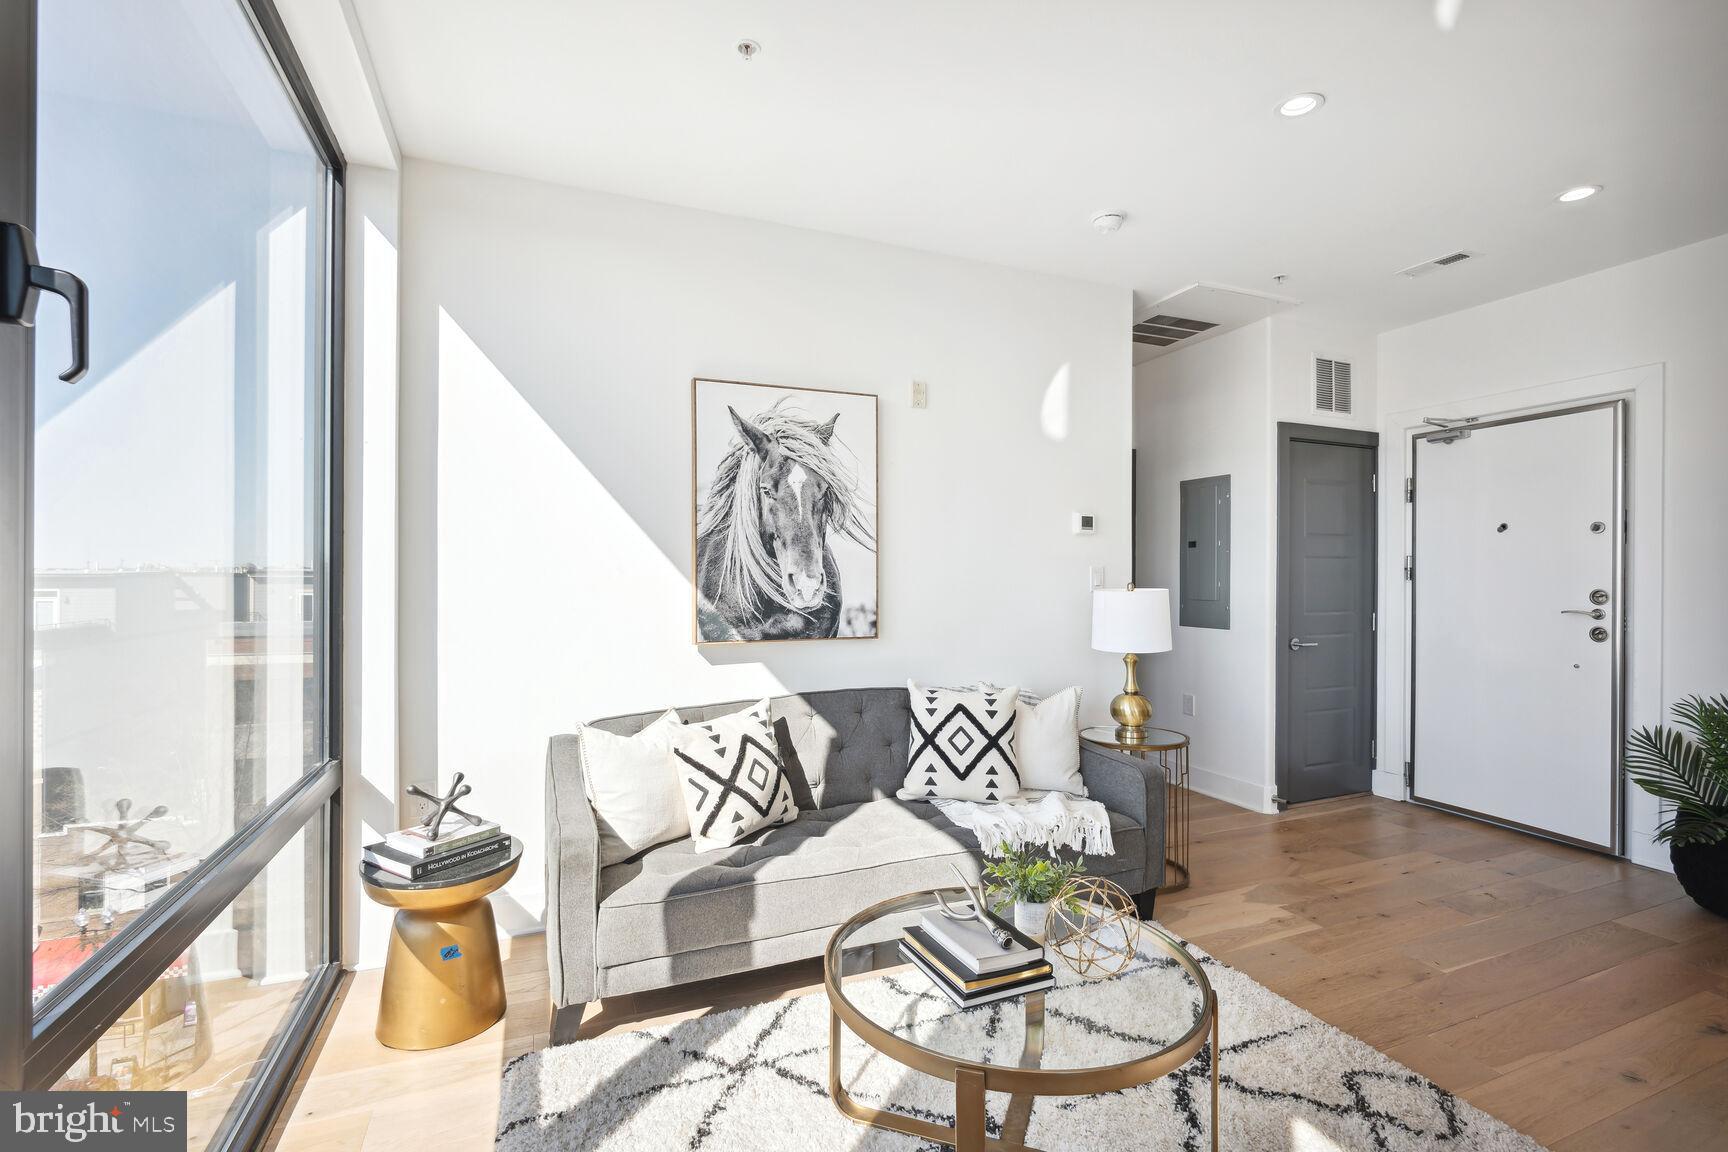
(783, 501)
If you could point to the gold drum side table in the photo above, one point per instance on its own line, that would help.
(1171, 748)
(443, 980)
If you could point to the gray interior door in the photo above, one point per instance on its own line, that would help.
(1325, 722)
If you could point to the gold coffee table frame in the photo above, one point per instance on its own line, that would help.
(972, 1080)
(1172, 749)
(443, 980)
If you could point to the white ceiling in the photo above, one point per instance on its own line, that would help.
(995, 130)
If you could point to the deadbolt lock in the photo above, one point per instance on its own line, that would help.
(1598, 596)
(1600, 635)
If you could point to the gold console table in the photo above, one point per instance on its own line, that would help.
(1171, 748)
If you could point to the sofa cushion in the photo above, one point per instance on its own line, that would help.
(814, 873)
(733, 781)
(962, 744)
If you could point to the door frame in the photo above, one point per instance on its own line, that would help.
(1290, 434)
(1616, 845)
(17, 575)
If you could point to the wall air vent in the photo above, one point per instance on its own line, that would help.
(1332, 391)
(1438, 263)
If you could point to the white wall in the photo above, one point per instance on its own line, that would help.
(549, 336)
(1668, 311)
(1295, 344)
(1206, 411)
(370, 777)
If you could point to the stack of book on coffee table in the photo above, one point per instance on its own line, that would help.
(414, 854)
(964, 959)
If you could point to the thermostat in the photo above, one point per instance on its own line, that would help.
(1084, 524)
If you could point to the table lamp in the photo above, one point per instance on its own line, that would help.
(1131, 621)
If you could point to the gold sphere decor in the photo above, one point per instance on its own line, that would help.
(1092, 926)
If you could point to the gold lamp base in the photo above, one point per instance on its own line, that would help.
(1131, 711)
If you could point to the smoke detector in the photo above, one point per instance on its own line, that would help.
(1107, 222)
(747, 49)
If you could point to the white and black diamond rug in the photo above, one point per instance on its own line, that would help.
(754, 1080)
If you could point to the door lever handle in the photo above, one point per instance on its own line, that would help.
(1296, 644)
(21, 279)
(1593, 613)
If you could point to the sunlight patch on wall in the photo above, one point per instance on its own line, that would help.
(554, 605)
(1053, 414)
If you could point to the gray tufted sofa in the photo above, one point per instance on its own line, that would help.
(671, 915)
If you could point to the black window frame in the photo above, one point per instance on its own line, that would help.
(39, 1042)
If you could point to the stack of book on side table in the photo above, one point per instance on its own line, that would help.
(413, 854)
(964, 959)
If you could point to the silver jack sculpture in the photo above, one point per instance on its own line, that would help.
(444, 804)
(122, 836)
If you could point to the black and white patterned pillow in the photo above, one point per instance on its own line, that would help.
(962, 744)
(732, 778)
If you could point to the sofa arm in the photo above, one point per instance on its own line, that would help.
(572, 877)
(1135, 787)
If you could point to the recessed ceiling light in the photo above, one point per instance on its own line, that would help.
(1301, 104)
(1107, 222)
(748, 49)
(1582, 192)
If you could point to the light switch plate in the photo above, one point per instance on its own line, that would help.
(1187, 704)
(920, 394)
(1095, 576)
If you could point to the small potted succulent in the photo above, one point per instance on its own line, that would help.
(1029, 881)
(1692, 775)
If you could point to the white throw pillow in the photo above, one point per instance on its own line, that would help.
(1047, 742)
(732, 779)
(962, 744)
(633, 787)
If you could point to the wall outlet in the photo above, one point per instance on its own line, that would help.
(421, 809)
(1095, 576)
(1187, 704)
(920, 394)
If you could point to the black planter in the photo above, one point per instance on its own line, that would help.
(1702, 870)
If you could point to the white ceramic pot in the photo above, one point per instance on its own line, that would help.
(1029, 917)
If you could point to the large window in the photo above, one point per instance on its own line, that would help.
(179, 727)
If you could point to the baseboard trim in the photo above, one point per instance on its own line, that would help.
(1242, 793)
(1389, 784)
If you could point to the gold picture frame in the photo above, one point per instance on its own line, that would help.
(828, 585)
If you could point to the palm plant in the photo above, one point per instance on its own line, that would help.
(1691, 774)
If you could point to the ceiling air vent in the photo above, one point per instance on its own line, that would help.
(1163, 330)
(1332, 392)
(1438, 263)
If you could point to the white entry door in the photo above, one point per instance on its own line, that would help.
(1518, 620)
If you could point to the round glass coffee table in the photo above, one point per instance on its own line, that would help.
(1163, 1023)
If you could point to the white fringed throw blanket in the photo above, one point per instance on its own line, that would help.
(1033, 819)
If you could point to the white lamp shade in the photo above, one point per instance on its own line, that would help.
(1131, 621)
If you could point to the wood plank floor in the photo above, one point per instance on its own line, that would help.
(1582, 1000)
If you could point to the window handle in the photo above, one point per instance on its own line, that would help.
(21, 279)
